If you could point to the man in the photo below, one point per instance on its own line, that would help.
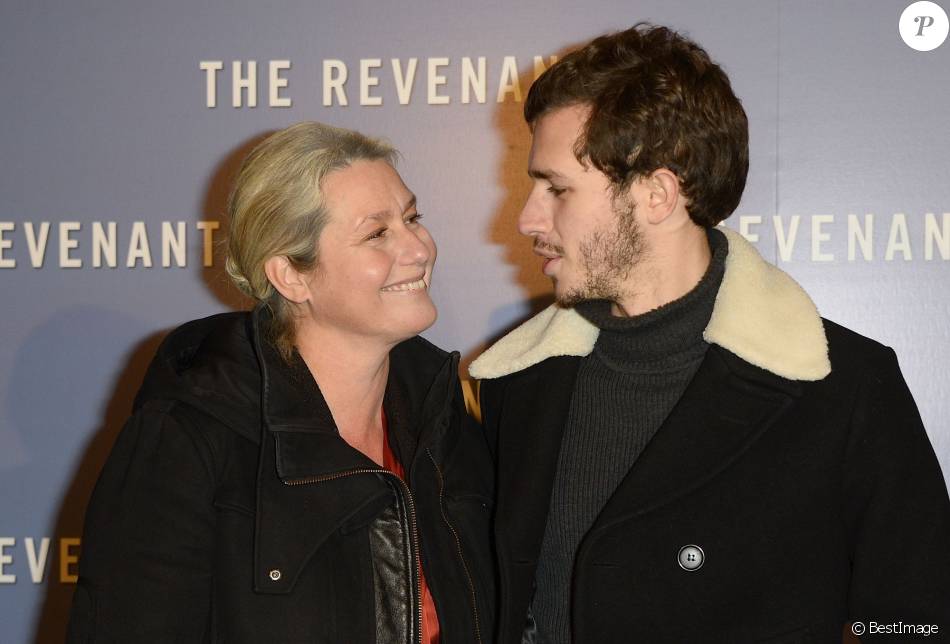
(687, 452)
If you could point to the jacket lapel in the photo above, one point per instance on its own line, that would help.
(536, 403)
(310, 482)
(726, 407)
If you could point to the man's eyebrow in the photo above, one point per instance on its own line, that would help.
(545, 175)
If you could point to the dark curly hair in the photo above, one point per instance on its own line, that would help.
(656, 101)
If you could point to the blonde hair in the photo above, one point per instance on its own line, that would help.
(277, 208)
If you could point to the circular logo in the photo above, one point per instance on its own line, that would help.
(857, 628)
(924, 26)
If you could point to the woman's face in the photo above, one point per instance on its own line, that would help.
(375, 257)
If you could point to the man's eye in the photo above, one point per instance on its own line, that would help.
(413, 218)
(557, 192)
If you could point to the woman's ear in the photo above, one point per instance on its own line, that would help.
(288, 281)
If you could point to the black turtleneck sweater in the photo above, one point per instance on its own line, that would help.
(625, 389)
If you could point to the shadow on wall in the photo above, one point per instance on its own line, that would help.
(53, 397)
(512, 177)
(215, 207)
(72, 378)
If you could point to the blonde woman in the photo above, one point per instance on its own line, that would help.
(304, 472)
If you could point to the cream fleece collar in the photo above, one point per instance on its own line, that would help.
(761, 314)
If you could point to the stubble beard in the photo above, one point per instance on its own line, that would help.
(608, 256)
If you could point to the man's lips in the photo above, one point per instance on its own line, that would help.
(548, 264)
(548, 255)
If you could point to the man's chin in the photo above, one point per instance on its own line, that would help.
(570, 299)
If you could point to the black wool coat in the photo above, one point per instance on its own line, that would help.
(230, 509)
(793, 481)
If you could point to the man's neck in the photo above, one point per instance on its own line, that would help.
(673, 266)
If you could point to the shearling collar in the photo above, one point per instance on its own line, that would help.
(761, 315)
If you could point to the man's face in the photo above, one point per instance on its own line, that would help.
(589, 240)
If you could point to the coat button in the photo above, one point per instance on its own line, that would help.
(274, 575)
(691, 558)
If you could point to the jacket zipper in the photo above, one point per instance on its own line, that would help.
(458, 545)
(412, 527)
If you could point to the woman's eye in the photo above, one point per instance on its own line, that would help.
(377, 234)
(413, 218)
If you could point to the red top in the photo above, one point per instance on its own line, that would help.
(430, 619)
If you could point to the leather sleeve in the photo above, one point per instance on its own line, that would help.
(897, 509)
(145, 567)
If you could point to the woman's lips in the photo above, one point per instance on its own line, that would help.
(415, 285)
(549, 264)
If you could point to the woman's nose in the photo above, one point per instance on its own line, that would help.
(415, 249)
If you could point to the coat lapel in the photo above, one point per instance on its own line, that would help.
(726, 407)
(310, 482)
(535, 405)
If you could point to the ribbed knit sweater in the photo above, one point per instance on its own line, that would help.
(625, 389)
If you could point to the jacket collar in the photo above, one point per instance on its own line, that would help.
(310, 482)
(418, 395)
(761, 315)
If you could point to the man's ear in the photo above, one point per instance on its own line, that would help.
(657, 195)
(288, 281)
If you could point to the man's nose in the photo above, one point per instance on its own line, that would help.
(534, 218)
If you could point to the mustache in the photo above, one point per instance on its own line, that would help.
(553, 248)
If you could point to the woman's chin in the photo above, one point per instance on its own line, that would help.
(418, 320)
(425, 319)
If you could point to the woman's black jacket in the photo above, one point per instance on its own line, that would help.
(230, 509)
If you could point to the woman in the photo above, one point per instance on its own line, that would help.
(305, 472)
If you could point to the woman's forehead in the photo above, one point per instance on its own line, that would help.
(365, 190)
